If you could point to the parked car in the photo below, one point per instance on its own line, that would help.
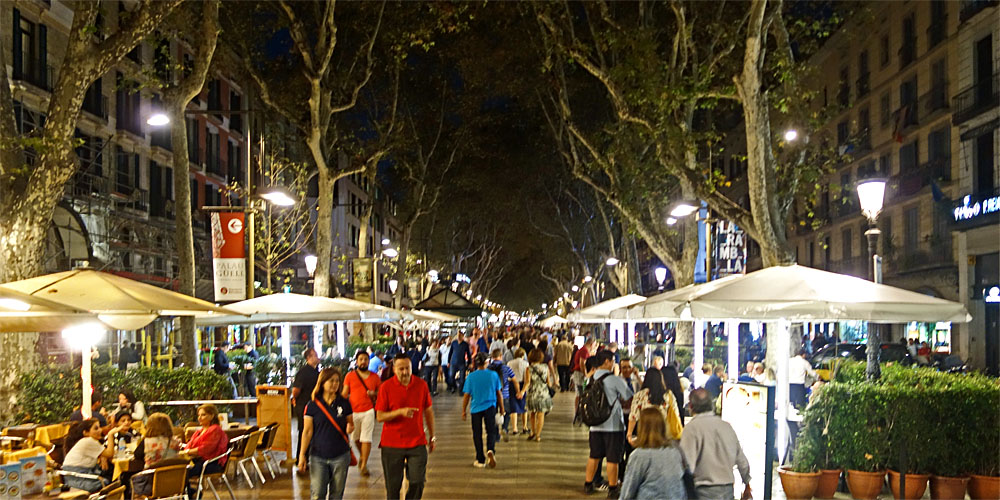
(826, 359)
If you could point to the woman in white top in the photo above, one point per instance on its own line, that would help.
(432, 366)
(86, 455)
(520, 366)
(128, 403)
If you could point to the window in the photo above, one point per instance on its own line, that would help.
(212, 153)
(864, 126)
(94, 102)
(885, 109)
(214, 95)
(908, 102)
(162, 60)
(938, 29)
(126, 171)
(159, 136)
(883, 53)
(234, 165)
(843, 131)
(355, 236)
(30, 52)
(235, 119)
(938, 98)
(908, 157)
(911, 233)
(844, 94)
(985, 163)
(127, 103)
(161, 190)
(887, 243)
(194, 138)
(846, 244)
(938, 145)
(908, 52)
(885, 164)
(91, 154)
(863, 73)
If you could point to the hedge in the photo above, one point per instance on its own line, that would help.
(50, 394)
(949, 424)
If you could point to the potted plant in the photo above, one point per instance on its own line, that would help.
(799, 482)
(986, 483)
(952, 463)
(857, 436)
(911, 439)
(812, 452)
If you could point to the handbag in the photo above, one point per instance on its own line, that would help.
(689, 488)
(350, 445)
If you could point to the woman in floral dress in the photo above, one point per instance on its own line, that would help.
(539, 401)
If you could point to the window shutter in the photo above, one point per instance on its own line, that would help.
(43, 57)
(135, 171)
(18, 63)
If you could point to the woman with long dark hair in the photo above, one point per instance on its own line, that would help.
(654, 394)
(85, 454)
(673, 382)
(328, 421)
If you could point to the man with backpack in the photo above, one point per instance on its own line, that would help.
(507, 378)
(601, 409)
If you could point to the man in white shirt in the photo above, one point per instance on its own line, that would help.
(798, 368)
(700, 378)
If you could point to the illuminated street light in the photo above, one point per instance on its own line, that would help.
(385, 242)
(393, 285)
(278, 197)
(575, 288)
(683, 209)
(871, 193)
(392, 253)
(671, 221)
(661, 275)
(158, 120)
(565, 295)
(83, 338)
(311, 261)
(791, 135)
(544, 305)
(612, 261)
(588, 278)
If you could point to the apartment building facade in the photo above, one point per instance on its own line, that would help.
(890, 75)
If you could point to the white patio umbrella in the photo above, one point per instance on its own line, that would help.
(289, 308)
(552, 321)
(602, 312)
(21, 312)
(119, 302)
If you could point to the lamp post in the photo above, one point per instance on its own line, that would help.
(661, 276)
(871, 194)
(82, 338)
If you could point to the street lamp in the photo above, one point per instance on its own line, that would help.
(588, 278)
(612, 261)
(391, 253)
(684, 208)
(393, 285)
(277, 196)
(575, 288)
(871, 194)
(671, 221)
(661, 275)
(311, 261)
(158, 120)
(385, 242)
(791, 134)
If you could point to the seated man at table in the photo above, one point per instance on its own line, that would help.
(95, 407)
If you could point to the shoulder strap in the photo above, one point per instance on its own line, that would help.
(332, 421)
(356, 374)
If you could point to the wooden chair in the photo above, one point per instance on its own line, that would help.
(210, 476)
(264, 448)
(169, 482)
(250, 455)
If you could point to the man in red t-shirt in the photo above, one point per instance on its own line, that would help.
(361, 389)
(403, 406)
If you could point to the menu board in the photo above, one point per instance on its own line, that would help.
(32, 475)
(10, 481)
(749, 408)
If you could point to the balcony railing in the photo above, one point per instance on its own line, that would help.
(96, 106)
(847, 208)
(935, 100)
(973, 7)
(131, 198)
(908, 115)
(86, 184)
(982, 96)
(38, 76)
(910, 183)
(928, 254)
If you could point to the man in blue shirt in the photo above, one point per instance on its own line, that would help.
(607, 440)
(482, 390)
(376, 364)
(459, 358)
(507, 378)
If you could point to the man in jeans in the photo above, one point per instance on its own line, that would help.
(482, 390)
(460, 355)
(712, 449)
(607, 440)
(403, 406)
(564, 358)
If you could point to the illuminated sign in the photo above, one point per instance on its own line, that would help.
(992, 294)
(971, 208)
(749, 408)
(730, 250)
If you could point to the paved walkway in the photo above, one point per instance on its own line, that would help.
(552, 468)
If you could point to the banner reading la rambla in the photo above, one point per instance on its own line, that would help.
(228, 256)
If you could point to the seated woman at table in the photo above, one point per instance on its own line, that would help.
(127, 403)
(122, 425)
(208, 442)
(86, 455)
(159, 443)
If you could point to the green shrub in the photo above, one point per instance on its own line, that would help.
(50, 394)
(947, 423)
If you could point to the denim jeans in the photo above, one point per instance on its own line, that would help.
(328, 476)
(458, 376)
(489, 417)
(395, 461)
(431, 377)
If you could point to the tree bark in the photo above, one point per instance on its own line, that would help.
(324, 228)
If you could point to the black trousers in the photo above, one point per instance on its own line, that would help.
(413, 461)
(564, 375)
(489, 417)
(431, 377)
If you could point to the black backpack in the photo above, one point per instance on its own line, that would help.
(595, 408)
(498, 369)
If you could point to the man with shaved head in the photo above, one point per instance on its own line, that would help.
(403, 406)
(712, 449)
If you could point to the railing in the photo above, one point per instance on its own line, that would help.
(910, 115)
(134, 198)
(41, 77)
(847, 207)
(981, 96)
(923, 255)
(97, 107)
(972, 7)
(935, 100)
(854, 266)
(86, 184)
(863, 84)
(910, 183)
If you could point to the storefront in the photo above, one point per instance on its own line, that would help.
(976, 223)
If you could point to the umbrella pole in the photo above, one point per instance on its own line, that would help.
(733, 330)
(699, 344)
(85, 376)
(783, 344)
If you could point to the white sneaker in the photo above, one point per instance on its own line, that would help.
(491, 460)
(478, 465)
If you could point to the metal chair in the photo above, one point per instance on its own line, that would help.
(113, 491)
(215, 475)
(169, 482)
(264, 448)
(250, 455)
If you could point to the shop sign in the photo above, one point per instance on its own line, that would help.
(364, 279)
(228, 256)
(730, 249)
(972, 208)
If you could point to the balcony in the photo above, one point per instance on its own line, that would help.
(853, 266)
(132, 198)
(935, 100)
(973, 7)
(847, 207)
(96, 106)
(973, 101)
(38, 76)
(906, 116)
(86, 185)
(933, 253)
(912, 182)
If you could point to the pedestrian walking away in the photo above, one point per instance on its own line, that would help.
(536, 393)
(516, 408)
(482, 395)
(461, 357)
(403, 407)
(361, 389)
(328, 421)
(712, 449)
(607, 439)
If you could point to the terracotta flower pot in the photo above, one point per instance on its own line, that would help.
(984, 487)
(948, 488)
(828, 482)
(916, 485)
(798, 485)
(865, 485)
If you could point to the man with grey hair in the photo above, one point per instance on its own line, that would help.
(712, 449)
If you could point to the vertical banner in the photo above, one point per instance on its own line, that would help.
(228, 256)
(364, 279)
(730, 250)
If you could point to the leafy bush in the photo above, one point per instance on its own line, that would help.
(50, 394)
(948, 423)
(714, 355)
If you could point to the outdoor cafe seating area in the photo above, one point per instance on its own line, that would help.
(32, 455)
